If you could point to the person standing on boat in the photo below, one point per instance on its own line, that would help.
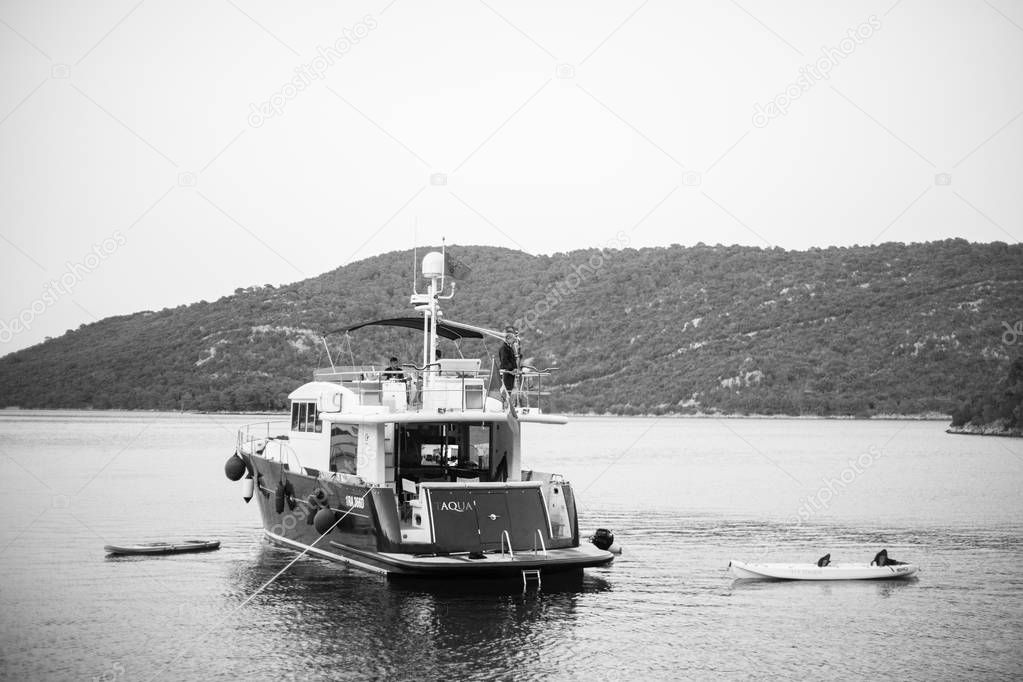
(510, 357)
(394, 370)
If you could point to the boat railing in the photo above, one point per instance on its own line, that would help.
(448, 385)
(349, 374)
(543, 547)
(505, 537)
(528, 392)
(366, 381)
(269, 440)
(253, 437)
(468, 368)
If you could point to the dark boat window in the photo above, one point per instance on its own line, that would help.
(305, 417)
(344, 445)
(443, 451)
(479, 447)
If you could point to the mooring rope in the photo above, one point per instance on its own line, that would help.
(257, 592)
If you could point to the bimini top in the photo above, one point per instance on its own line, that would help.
(452, 331)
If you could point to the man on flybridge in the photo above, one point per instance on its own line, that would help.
(510, 358)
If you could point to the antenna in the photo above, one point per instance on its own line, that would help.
(327, 348)
(415, 253)
(444, 252)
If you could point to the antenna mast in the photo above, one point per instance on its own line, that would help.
(415, 253)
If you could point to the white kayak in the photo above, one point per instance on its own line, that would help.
(814, 572)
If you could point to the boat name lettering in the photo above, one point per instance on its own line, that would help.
(351, 501)
(456, 506)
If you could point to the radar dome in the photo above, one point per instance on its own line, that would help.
(433, 265)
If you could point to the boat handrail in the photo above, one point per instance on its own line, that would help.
(421, 369)
(435, 378)
(261, 431)
(349, 373)
(466, 368)
(504, 536)
(542, 545)
(533, 371)
(526, 390)
(285, 454)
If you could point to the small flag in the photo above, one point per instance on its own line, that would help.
(456, 268)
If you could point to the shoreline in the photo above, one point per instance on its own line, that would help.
(933, 417)
(986, 430)
(927, 416)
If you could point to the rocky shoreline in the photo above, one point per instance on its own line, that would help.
(997, 428)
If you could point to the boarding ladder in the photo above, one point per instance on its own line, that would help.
(528, 574)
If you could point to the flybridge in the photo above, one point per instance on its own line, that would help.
(435, 385)
(449, 386)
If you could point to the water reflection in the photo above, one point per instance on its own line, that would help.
(828, 588)
(334, 616)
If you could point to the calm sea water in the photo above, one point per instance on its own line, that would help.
(684, 496)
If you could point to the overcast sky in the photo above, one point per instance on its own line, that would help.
(157, 153)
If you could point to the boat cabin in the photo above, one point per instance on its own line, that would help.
(365, 427)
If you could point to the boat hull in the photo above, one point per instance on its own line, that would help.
(747, 571)
(368, 534)
(461, 565)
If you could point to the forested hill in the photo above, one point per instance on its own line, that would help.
(889, 329)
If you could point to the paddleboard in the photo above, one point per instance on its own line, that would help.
(813, 572)
(165, 547)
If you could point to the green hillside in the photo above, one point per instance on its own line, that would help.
(998, 412)
(889, 329)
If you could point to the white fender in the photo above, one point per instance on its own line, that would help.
(248, 486)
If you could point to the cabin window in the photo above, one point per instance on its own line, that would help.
(344, 447)
(443, 451)
(479, 447)
(305, 417)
